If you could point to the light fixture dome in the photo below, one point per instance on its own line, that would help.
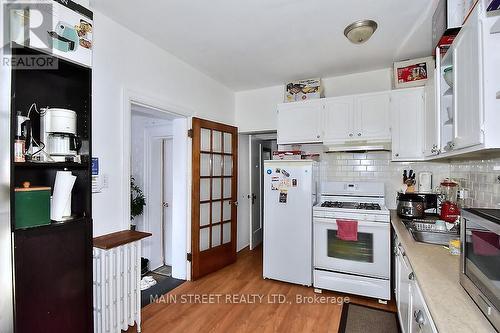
(360, 31)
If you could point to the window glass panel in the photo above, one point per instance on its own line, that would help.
(227, 188)
(360, 250)
(228, 166)
(205, 165)
(217, 165)
(228, 137)
(216, 188)
(205, 139)
(226, 210)
(217, 141)
(204, 239)
(226, 232)
(204, 214)
(216, 212)
(216, 235)
(204, 189)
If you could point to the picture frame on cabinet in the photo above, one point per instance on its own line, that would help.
(413, 72)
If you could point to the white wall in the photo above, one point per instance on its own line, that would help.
(243, 192)
(124, 61)
(256, 109)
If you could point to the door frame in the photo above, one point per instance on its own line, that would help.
(133, 97)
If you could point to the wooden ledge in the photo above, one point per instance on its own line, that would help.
(116, 239)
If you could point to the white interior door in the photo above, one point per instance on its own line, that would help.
(154, 204)
(255, 192)
(167, 199)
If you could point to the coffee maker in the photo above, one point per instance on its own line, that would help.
(58, 134)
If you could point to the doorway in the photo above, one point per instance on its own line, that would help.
(158, 159)
(261, 148)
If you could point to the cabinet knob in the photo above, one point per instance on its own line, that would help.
(350, 134)
(359, 134)
(318, 136)
(397, 155)
(411, 276)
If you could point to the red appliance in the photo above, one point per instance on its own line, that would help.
(449, 208)
(449, 212)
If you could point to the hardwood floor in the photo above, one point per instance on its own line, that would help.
(222, 302)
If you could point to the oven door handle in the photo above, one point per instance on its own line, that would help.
(361, 223)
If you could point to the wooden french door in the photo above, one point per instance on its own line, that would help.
(214, 196)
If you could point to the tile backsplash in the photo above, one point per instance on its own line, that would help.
(376, 166)
(479, 178)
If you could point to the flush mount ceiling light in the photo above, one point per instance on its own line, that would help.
(360, 31)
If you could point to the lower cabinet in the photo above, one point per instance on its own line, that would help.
(53, 278)
(413, 315)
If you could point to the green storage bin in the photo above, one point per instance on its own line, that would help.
(32, 207)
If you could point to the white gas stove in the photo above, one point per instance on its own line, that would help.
(360, 266)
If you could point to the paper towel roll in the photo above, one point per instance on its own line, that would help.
(60, 208)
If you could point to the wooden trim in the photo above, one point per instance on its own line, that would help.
(119, 238)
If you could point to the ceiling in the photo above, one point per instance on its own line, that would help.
(258, 43)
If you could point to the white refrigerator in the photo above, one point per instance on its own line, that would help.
(290, 188)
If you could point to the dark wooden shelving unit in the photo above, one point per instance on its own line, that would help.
(53, 263)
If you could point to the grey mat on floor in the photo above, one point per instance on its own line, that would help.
(164, 285)
(362, 319)
(164, 270)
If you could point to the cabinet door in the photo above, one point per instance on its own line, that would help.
(300, 122)
(404, 299)
(431, 120)
(467, 69)
(372, 113)
(338, 119)
(53, 278)
(420, 318)
(407, 124)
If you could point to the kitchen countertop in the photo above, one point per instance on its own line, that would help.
(437, 274)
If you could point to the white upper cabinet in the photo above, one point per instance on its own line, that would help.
(431, 119)
(467, 70)
(300, 122)
(408, 107)
(338, 119)
(372, 117)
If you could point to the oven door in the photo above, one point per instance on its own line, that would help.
(368, 256)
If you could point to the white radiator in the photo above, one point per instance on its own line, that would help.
(117, 292)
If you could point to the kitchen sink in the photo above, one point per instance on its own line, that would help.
(425, 231)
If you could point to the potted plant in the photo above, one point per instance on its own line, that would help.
(137, 202)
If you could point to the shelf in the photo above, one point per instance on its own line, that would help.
(53, 165)
(53, 224)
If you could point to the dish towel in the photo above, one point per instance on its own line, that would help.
(347, 230)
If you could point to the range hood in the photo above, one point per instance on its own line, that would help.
(356, 146)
